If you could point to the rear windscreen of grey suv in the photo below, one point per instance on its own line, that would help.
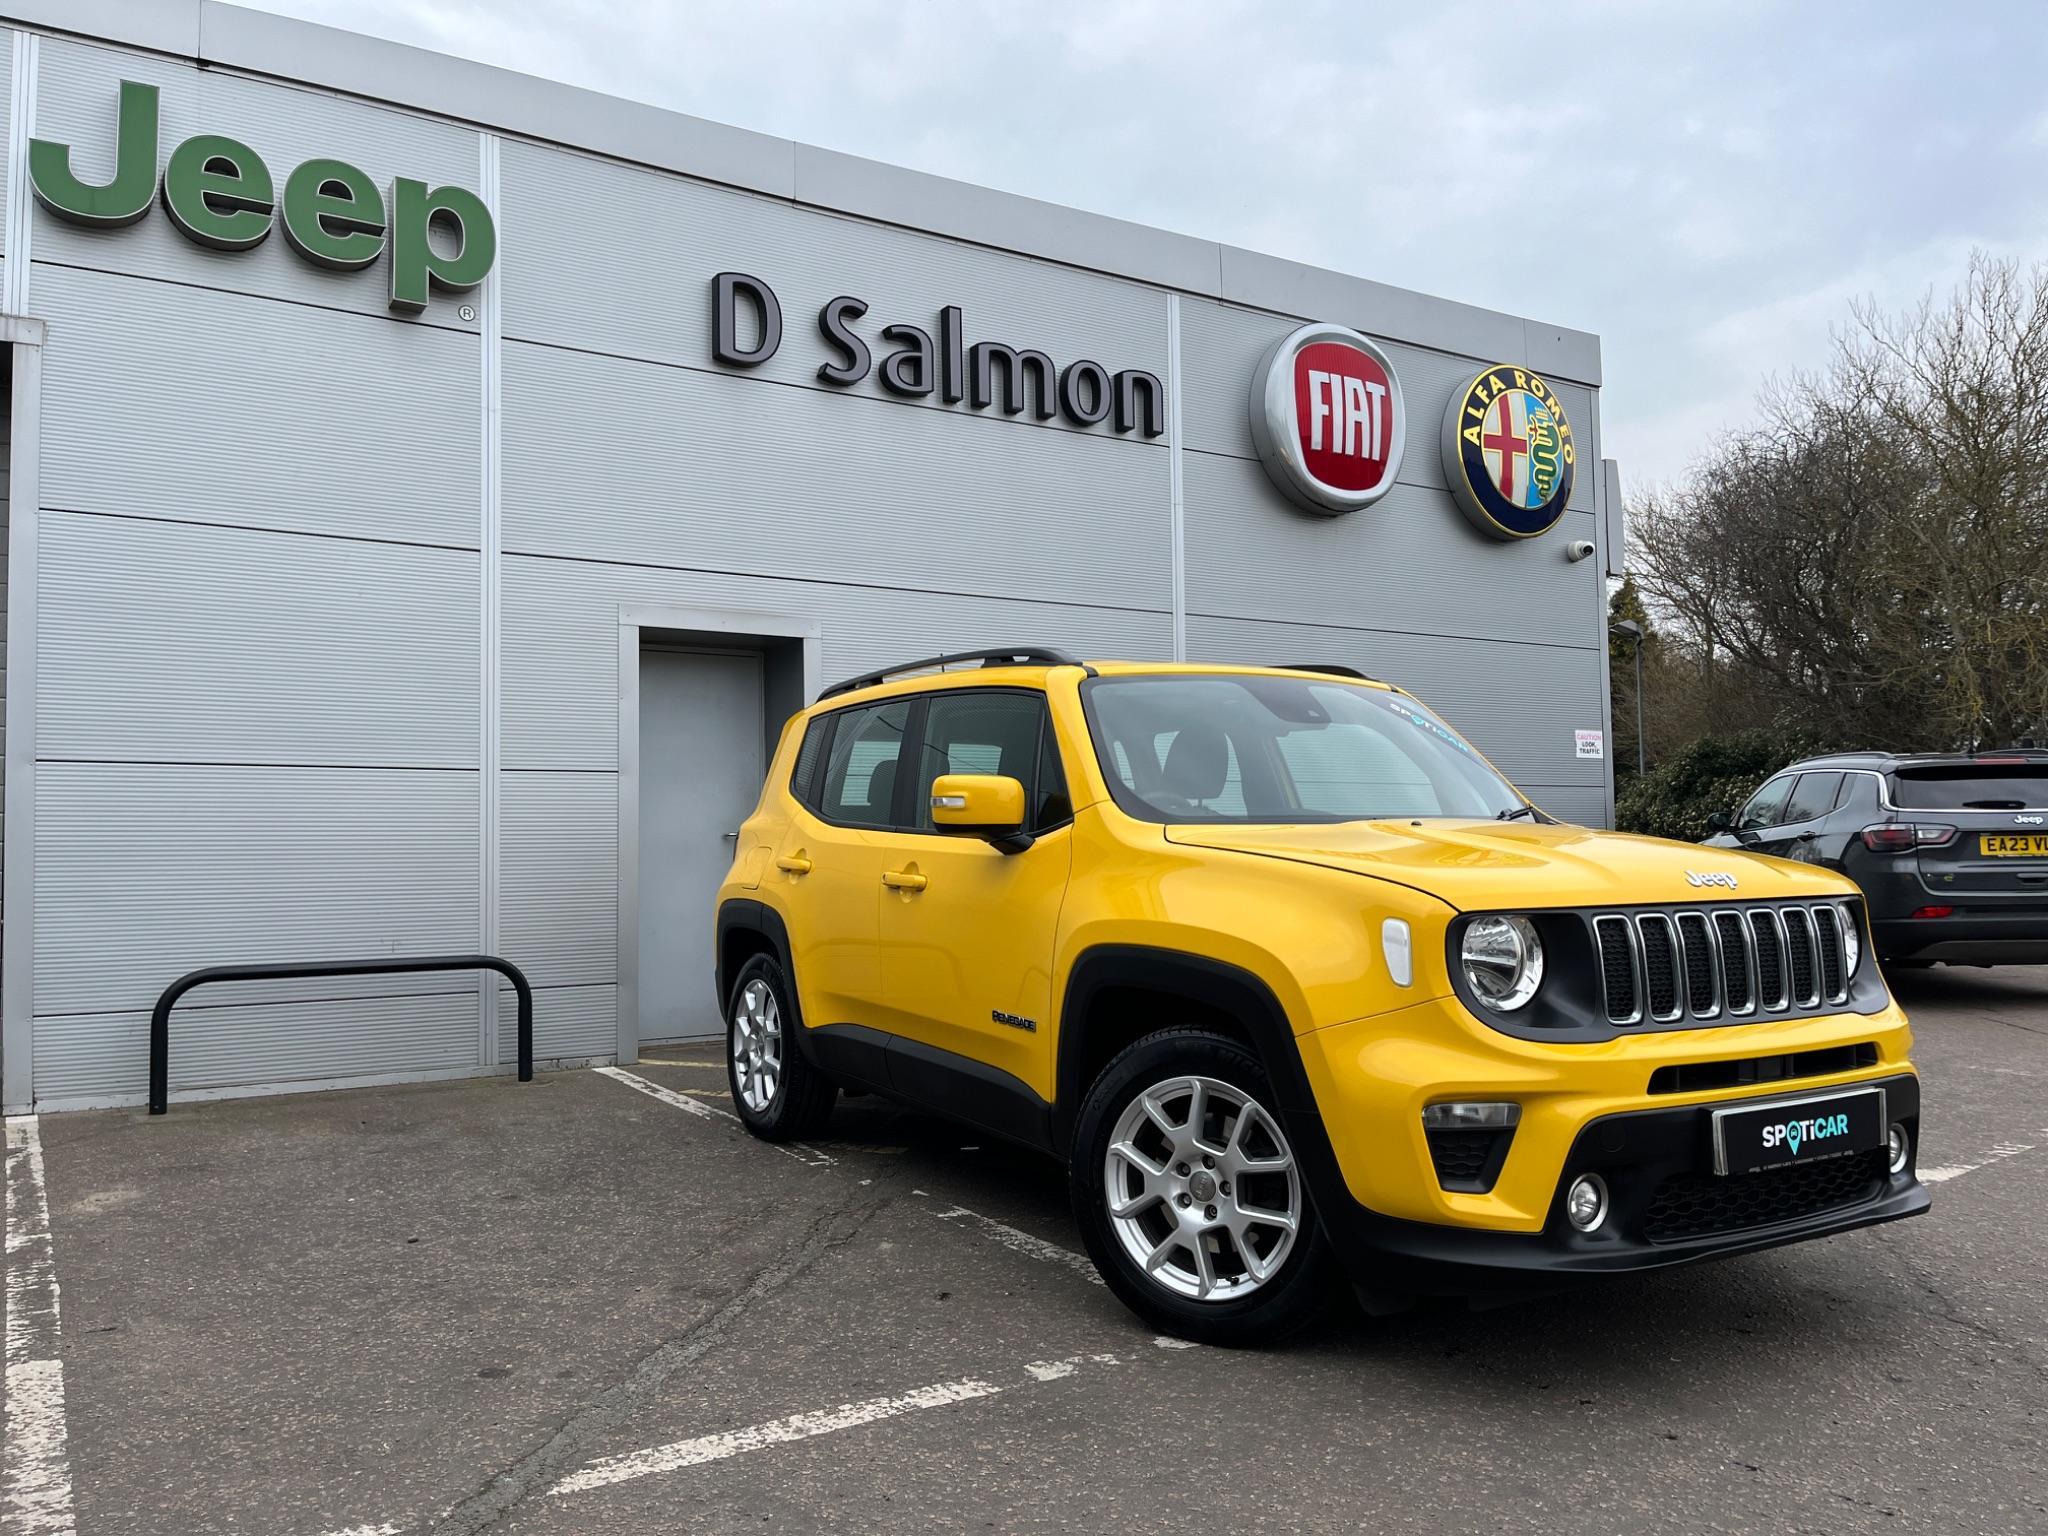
(1971, 787)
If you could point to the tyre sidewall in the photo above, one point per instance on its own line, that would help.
(1284, 1304)
(776, 1120)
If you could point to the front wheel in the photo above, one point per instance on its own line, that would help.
(780, 1096)
(1191, 1199)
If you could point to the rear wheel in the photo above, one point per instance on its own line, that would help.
(780, 1096)
(1189, 1196)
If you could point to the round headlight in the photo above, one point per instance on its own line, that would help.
(1852, 941)
(1503, 959)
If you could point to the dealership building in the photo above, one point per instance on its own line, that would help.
(430, 488)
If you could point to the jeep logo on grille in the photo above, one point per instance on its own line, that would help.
(1710, 877)
(1327, 418)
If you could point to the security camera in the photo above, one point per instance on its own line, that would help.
(1578, 549)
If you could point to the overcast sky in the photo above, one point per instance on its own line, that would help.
(1704, 186)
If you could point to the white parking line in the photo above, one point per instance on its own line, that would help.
(809, 1156)
(1997, 1154)
(35, 1472)
(1021, 1242)
(804, 1426)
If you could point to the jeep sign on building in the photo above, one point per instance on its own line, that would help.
(430, 489)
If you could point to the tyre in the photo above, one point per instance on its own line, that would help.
(1192, 1203)
(780, 1096)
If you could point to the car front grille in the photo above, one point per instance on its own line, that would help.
(1726, 963)
(1703, 1204)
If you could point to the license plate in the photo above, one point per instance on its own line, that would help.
(1749, 1137)
(2015, 845)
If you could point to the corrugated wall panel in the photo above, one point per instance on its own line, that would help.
(563, 286)
(266, 648)
(6, 122)
(144, 872)
(166, 401)
(76, 96)
(1408, 562)
(561, 640)
(1519, 704)
(221, 1047)
(731, 474)
(568, 1022)
(558, 883)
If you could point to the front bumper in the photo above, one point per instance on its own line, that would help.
(1668, 1208)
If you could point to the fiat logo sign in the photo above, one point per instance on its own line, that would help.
(1327, 418)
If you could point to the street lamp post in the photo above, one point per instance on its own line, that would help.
(1629, 629)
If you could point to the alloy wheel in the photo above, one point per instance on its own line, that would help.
(1203, 1192)
(757, 1046)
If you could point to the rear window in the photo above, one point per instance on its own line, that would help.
(1972, 787)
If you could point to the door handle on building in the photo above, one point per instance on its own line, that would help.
(903, 880)
(793, 864)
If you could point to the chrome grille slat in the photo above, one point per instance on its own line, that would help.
(1734, 961)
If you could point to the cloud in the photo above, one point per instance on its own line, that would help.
(1704, 187)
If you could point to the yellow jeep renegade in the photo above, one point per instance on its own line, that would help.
(1292, 979)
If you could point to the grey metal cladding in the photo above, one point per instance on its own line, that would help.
(716, 473)
(95, 1056)
(176, 402)
(1407, 562)
(163, 26)
(562, 286)
(260, 648)
(1220, 349)
(75, 104)
(568, 1023)
(1519, 704)
(955, 208)
(145, 871)
(560, 674)
(558, 875)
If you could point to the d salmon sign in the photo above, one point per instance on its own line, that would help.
(1508, 453)
(1328, 418)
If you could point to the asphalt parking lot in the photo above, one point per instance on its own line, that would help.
(592, 1304)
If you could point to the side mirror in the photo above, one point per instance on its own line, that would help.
(1720, 821)
(981, 805)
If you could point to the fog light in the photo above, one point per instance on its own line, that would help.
(1585, 1204)
(1471, 1117)
(1899, 1148)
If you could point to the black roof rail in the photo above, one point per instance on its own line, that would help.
(1000, 656)
(1331, 667)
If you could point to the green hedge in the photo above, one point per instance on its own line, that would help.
(1714, 773)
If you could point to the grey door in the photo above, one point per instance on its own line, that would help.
(701, 761)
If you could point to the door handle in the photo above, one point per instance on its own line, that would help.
(903, 880)
(793, 864)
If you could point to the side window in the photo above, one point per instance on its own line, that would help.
(1765, 806)
(860, 774)
(1814, 796)
(983, 731)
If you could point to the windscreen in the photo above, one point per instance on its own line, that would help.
(1972, 787)
(1275, 749)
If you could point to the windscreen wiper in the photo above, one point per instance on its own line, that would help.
(1529, 811)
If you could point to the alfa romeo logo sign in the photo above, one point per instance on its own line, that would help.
(1327, 418)
(1508, 453)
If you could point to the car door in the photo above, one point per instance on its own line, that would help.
(1797, 829)
(830, 861)
(1756, 819)
(967, 929)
